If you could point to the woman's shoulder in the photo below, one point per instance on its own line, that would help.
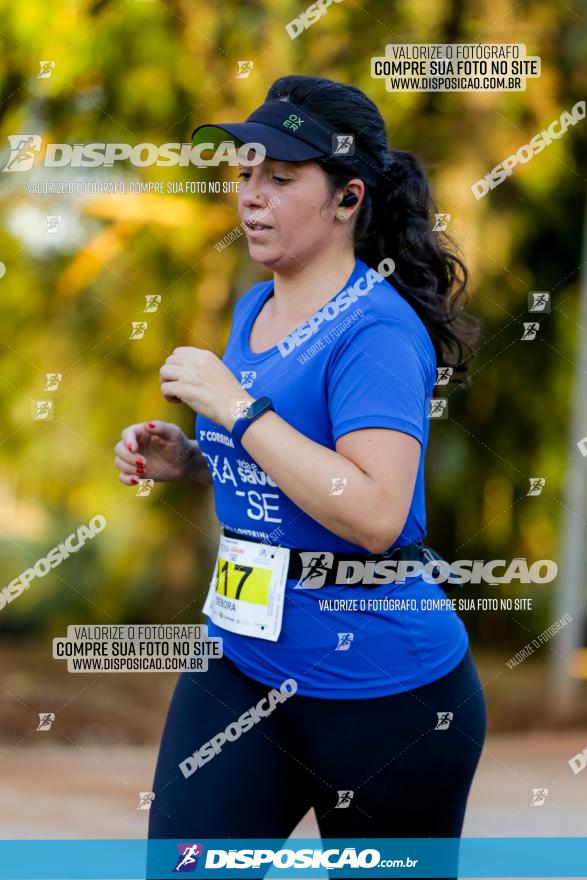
(383, 315)
(387, 304)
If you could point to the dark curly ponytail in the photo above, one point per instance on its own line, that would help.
(395, 217)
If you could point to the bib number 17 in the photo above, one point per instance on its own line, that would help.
(227, 568)
(247, 583)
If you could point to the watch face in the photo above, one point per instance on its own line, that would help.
(257, 406)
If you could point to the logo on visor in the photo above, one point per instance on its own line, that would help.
(293, 122)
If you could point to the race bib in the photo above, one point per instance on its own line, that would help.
(247, 589)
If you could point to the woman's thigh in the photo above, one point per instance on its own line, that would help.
(244, 790)
(403, 764)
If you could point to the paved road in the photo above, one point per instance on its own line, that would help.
(92, 791)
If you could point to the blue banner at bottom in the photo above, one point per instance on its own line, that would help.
(554, 857)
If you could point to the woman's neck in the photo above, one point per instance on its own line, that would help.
(301, 293)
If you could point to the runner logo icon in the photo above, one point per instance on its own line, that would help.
(188, 854)
(23, 150)
(344, 800)
(316, 566)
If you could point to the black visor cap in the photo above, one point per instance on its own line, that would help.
(288, 133)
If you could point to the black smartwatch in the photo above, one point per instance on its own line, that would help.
(252, 412)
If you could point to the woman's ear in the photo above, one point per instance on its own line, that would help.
(352, 193)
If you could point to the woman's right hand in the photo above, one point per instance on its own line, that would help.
(158, 451)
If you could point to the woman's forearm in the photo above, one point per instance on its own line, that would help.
(307, 472)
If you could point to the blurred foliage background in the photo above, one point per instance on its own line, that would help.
(149, 72)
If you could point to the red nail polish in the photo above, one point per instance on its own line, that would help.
(133, 480)
(139, 462)
(150, 424)
(129, 446)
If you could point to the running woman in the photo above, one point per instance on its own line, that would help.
(313, 429)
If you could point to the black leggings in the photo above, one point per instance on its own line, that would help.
(408, 779)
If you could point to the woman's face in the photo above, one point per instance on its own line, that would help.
(290, 200)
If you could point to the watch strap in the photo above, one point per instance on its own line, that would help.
(259, 406)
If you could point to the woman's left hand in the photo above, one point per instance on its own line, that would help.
(198, 377)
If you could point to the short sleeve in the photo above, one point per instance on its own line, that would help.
(381, 377)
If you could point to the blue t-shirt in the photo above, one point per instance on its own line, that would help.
(364, 360)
